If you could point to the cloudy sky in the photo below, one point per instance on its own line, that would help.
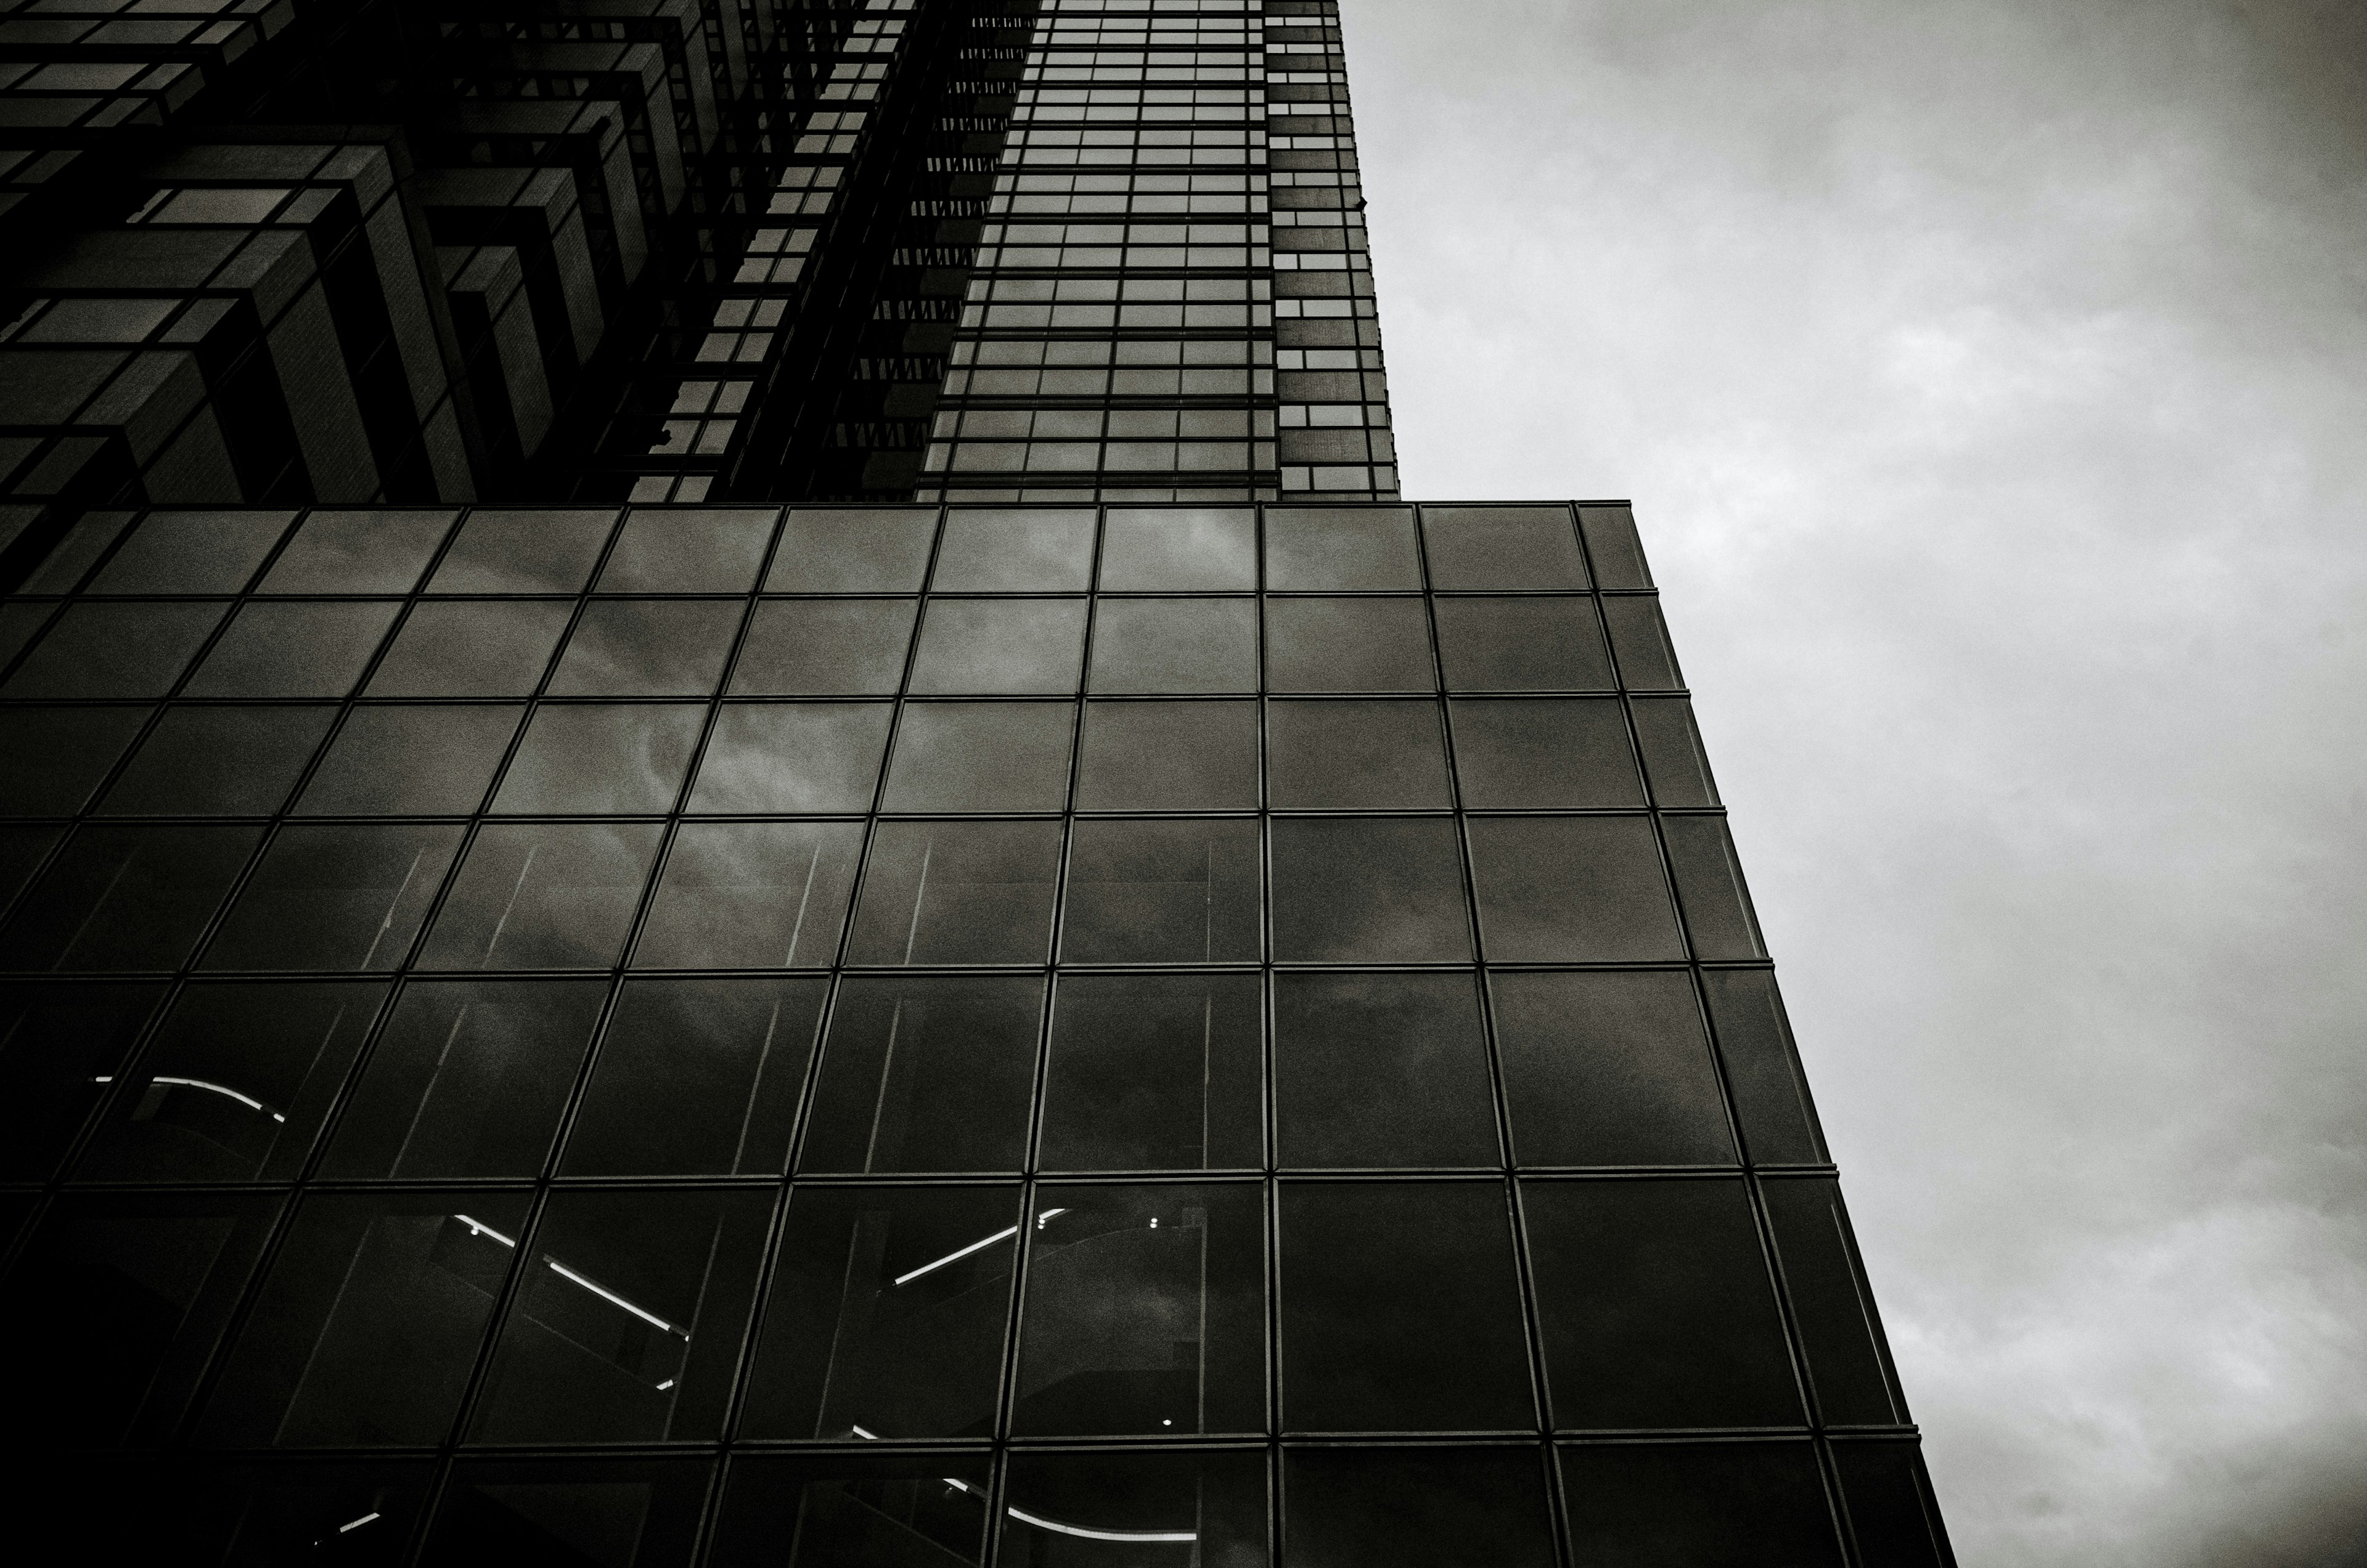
(1991, 378)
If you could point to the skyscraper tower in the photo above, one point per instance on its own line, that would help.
(741, 827)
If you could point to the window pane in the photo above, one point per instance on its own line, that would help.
(1175, 645)
(1673, 754)
(697, 1077)
(999, 551)
(1168, 757)
(1154, 1072)
(377, 551)
(1697, 1505)
(235, 1084)
(1515, 548)
(1611, 539)
(1571, 889)
(688, 552)
(852, 1511)
(1608, 1069)
(1830, 1304)
(1415, 1508)
(1544, 753)
(1653, 1306)
(61, 1047)
(1770, 1100)
(925, 1075)
(1400, 1312)
(1376, 1070)
(125, 898)
(627, 1325)
(523, 552)
(638, 1513)
(543, 895)
(885, 1319)
(493, 648)
(578, 759)
(51, 759)
(1153, 1508)
(1177, 892)
(1347, 645)
(1646, 663)
(958, 893)
(226, 761)
(1321, 549)
(751, 896)
(293, 650)
(1891, 1509)
(192, 1510)
(192, 552)
(793, 757)
(634, 648)
(468, 1080)
(1351, 754)
(835, 551)
(1010, 646)
(114, 650)
(824, 648)
(403, 761)
(342, 897)
(1145, 1312)
(1709, 881)
(1180, 549)
(366, 1329)
(981, 757)
(1521, 645)
(1375, 890)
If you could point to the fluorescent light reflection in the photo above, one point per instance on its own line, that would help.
(1083, 1532)
(478, 1227)
(223, 1089)
(1004, 1234)
(357, 1524)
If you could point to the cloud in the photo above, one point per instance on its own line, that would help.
(1987, 377)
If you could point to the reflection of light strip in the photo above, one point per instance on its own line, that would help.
(1004, 1234)
(1025, 1517)
(358, 1523)
(562, 1271)
(478, 1228)
(248, 1100)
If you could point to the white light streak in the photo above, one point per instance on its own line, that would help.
(246, 1099)
(1005, 1234)
(478, 1227)
(563, 1271)
(358, 1523)
(1025, 1517)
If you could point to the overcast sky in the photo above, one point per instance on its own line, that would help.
(1990, 379)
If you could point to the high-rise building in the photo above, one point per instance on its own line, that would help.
(740, 828)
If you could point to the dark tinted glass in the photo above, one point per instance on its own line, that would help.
(486, 647)
(1697, 1505)
(1521, 645)
(51, 759)
(958, 893)
(1145, 1312)
(925, 1075)
(1654, 1304)
(226, 761)
(648, 647)
(467, 1081)
(1324, 549)
(523, 552)
(981, 757)
(1355, 754)
(845, 1510)
(1168, 757)
(697, 1078)
(1709, 883)
(687, 552)
(1770, 1100)
(1891, 1509)
(851, 551)
(191, 552)
(1167, 891)
(1179, 550)
(1612, 541)
(379, 551)
(114, 650)
(1038, 551)
(335, 897)
(1153, 1073)
(615, 1513)
(235, 1085)
(543, 895)
(1514, 548)
(196, 1511)
(793, 757)
(824, 648)
(125, 898)
(367, 1326)
(1369, 890)
(1374, 1070)
(627, 1325)
(1646, 663)
(580, 758)
(1415, 1508)
(1847, 1364)
(1673, 755)
(1135, 1509)
(411, 761)
(1000, 646)
(293, 650)
(1544, 753)
(1347, 645)
(1175, 645)
(1608, 1069)
(1400, 1309)
(751, 896)
(1571, 889)
(61, 1047)
(885, 1318)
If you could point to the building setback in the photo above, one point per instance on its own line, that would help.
(741, 827)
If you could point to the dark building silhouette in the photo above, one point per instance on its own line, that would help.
(740, 828)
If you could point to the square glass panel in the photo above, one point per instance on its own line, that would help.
(1368, 890)
(1355, 755)
(1848, 1364)
(1326, 549)
(1466, 1507)
(1718, 916)
(1646, 662)
(852, 550)
(639, 1513)
(114, 650)
(1401, 1310)
(1571, 889)
(348, 896)
(1612, 540)
(1674, 758)
(824, 648)
(1762, 1069)
(543, 895)
(293, 650)
(1655, 1307)
(648, 647)
(688, 552)
(1145, 1312)
(981, 757)
(1700, 1505)
(1608, 1069)
(885, 1319)
(540, 551)
(1148, 1508)
(51, 759)
(1347, 645)
(1000, 646)
(793, 757)
(1536, 644)
(1168, 757)
(1544, 753)
(1001, 550)
(1154, 1072)
(411, 761)
(468, 1079)
(487, 648)
(62, 1047)
(192, 552)
(697, 1077)
(1175, 645)
(852, 1511)
(584, 758)
(124, 898)
(958, 893)
(1891, 1510)
(751, 896)
(1381, 1070)
(218, 762)
(377, 551)
(1169, 891)
(925, 1075)
(1178, 549)
(1501, 547)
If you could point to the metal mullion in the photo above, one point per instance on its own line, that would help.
(1270, 1182)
